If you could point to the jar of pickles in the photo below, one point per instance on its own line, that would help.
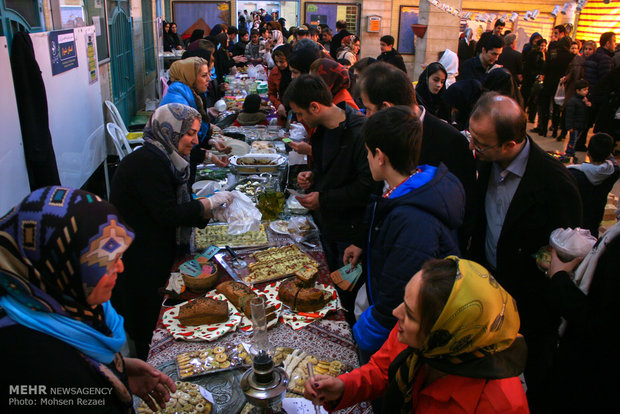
(270, 200)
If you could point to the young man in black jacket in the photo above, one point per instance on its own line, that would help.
(389, 54)
(340, 183)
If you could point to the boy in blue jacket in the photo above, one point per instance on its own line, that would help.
(415, 220)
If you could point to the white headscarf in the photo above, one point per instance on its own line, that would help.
(450, 61)
(277, 37)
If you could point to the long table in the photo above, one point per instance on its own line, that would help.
(329, 338)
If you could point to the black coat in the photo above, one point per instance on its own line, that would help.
(576, 113)
(144, 192)
(394, 58)
(32, 357)
(555, 67)
(472, 69)
(511, 60)
(442, 143)
(342, 177)
(590, 340)
(33, 116)
(546, 198)
(336, 42)
(466, 51)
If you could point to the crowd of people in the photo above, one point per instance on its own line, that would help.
(436, 190)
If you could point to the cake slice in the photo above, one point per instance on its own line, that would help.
(203, 311)
(307, 275)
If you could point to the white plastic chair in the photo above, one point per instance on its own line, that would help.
(120, 141)
(116, 117)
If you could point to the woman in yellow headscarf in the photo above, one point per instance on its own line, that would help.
(190, 79)
(455, 349)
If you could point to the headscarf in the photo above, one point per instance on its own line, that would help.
(450, 61)
(185, 71)
(431, 101)
(278, 39)
(162, 133)
(475, 336)
(285, 78)
(301, 59)
(334, 74)
(347, 47)
(55, 246)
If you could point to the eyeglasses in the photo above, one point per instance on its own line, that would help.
(476, 145)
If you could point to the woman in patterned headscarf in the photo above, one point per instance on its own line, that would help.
(337, 79)
(60, 252)
(454, 349)
(349, 49)
(190, 80)
(150, 191)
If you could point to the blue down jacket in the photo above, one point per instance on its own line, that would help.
(179, 92)
(416, 223)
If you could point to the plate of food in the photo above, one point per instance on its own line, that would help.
(209, 360)
(240, 296)
(279, 226)
(205, 318)
(188, 398)
(217, 235)
(277, 263)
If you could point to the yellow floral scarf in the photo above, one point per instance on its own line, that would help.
(476, 335)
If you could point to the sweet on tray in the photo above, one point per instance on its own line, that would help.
(295, 363)
(277, 262)
(218, 236)
(207, 360)
(187, 398)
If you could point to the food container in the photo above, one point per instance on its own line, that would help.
(217, 235)
(257, 163)
(202, 283)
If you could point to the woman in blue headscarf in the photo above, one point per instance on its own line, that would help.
(60, 252)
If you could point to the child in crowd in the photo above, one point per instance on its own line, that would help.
(251, 114)
(596, 179)
(253, 50)
(577, 116)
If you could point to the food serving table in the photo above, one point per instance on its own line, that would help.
(329, 338)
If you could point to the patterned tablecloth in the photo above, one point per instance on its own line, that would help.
(329, 339)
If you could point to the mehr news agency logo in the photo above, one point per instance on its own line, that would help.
(42, 395)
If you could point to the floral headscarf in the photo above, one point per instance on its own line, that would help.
(55, 246)
(476, 335)
(334, 74)
(163, 132)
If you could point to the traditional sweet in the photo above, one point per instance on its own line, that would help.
(307, 275)
(277, 262)
(207, 360)
(187, 398)
(301, 299)
(203, 311)
(240, 296)
(217, 235)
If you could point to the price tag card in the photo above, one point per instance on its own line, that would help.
(287, 140)
(210, 252)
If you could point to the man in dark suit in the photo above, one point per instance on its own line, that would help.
(342, 32)
(478, 66)
(524, 194)
(510, 58)
(383, 85)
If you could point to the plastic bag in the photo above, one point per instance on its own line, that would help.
(298, 132)
(241, 215)
(560, 94)
(571, 243)
(301, 228)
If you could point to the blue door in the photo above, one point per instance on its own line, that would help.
(121, 56)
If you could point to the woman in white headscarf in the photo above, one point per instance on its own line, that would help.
(276, 40)
(450, 62)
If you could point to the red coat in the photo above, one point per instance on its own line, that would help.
(273, 85)
(450, 394)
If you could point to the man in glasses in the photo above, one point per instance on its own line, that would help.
(525, 194)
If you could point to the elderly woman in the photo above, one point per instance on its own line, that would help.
(350, 48)
(59, 258)
(431, 85)
(150, 191)
(190, 80)
(454, 349)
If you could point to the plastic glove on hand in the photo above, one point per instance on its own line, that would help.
(220, 198)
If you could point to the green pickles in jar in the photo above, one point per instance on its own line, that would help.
(270, 203)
